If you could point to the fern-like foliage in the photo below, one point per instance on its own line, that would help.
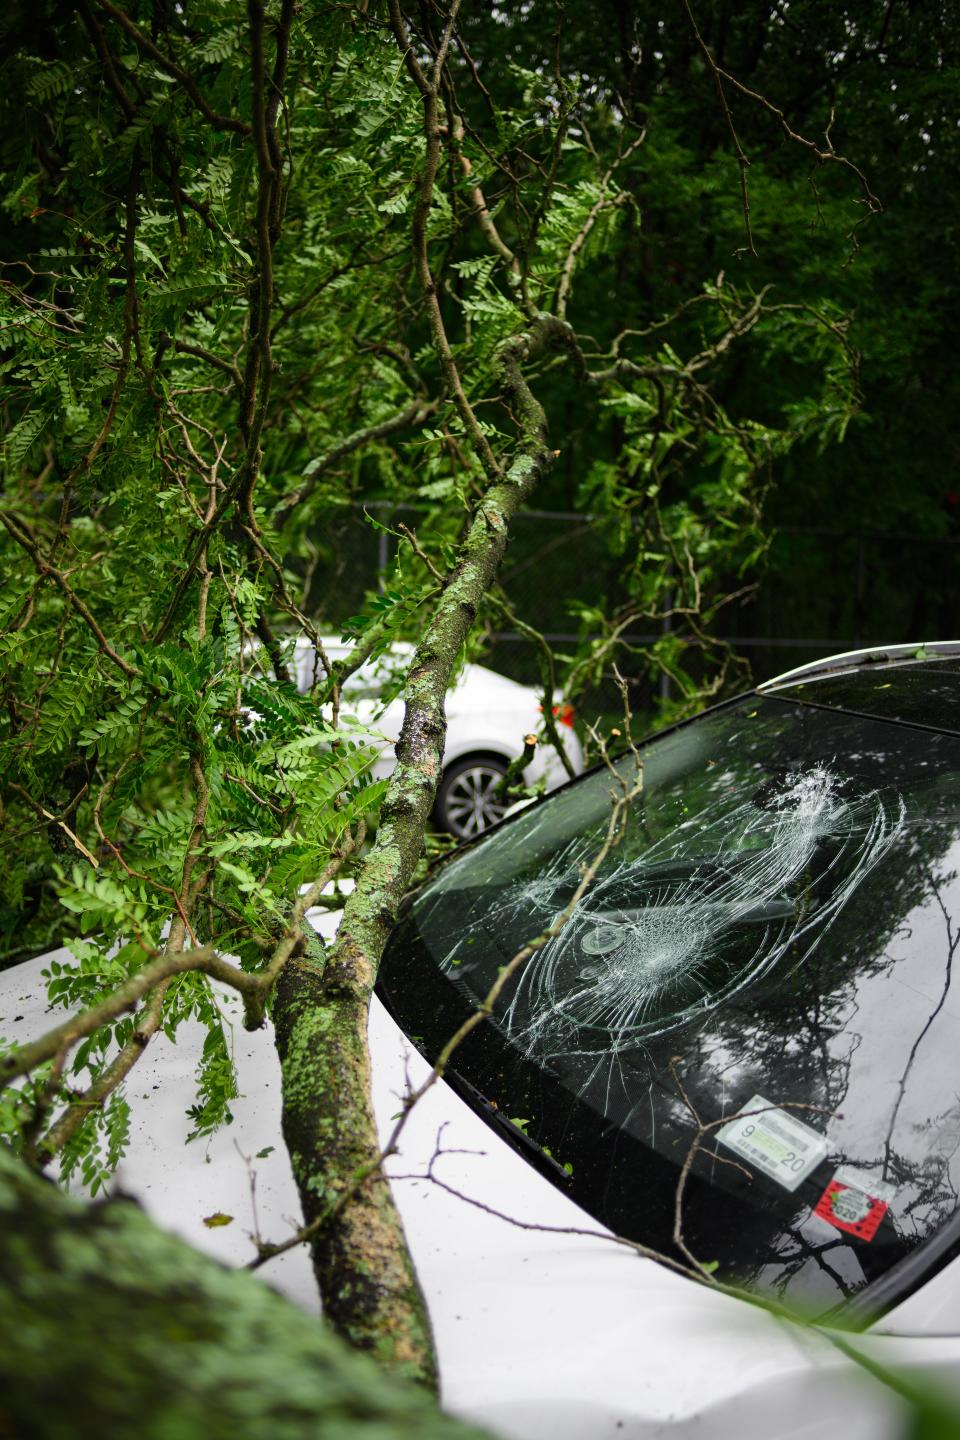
(198, 402)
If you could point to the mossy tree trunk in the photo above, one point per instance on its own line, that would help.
(112, 1328)
(363, 1267)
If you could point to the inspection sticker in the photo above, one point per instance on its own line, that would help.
(855, 1202)
(775, 1142)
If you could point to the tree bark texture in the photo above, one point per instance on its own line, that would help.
(113, 1328)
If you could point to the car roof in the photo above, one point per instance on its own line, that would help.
(917, 685)
(873, 655)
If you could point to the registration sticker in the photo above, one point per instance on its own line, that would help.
(775, 1142)
(855, 1202)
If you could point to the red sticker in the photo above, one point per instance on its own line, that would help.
(848, 1204)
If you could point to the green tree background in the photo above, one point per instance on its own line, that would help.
(267, 269)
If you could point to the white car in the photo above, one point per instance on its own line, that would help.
(754, 998)
(488, 717)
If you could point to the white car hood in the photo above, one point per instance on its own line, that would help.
(540, 1335)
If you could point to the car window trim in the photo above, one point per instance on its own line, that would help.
(902, 1280)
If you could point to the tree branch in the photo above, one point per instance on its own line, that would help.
(50, 572)
(183, 77)
(413, 414)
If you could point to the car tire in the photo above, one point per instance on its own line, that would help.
(465, 804)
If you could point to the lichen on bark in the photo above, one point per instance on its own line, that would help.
(112, 1328)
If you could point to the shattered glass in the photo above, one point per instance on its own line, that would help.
(777, 920)
(678, 929)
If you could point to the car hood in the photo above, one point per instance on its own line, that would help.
(545, 1328)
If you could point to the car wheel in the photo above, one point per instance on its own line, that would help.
(467, 801)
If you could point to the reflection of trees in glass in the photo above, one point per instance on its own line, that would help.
(802, 1043)
(952, 938)
(767, 918)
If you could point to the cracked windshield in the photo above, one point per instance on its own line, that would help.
(736, 1047)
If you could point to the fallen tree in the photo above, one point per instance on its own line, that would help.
(278, 242)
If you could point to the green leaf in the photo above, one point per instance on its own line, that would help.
(214, 1221)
